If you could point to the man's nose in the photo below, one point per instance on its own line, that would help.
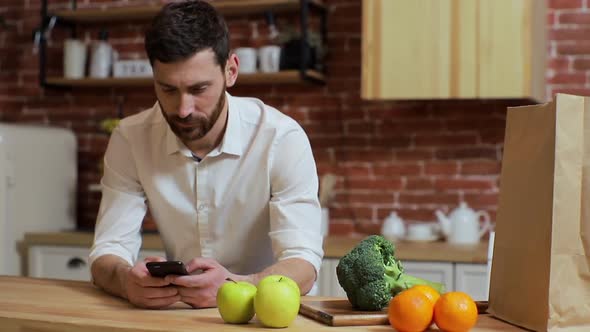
(186, 106)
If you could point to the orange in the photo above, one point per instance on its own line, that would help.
(455, 312)
(410, 311)
(432, 294)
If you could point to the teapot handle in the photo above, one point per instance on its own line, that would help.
(487, 224)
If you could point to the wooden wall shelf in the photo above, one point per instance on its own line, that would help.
(73, 17)
(282, 77)
(98, 82)
(226, 7)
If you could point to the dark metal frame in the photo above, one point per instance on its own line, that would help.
(305, 7)
(304, 11)
(42, 30)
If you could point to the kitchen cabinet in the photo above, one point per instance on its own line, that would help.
(229, 8)
(66, 262)
(453, 49)
(473, 280)
(466, 277)
(71, 263)
(327, 281)
(64, 255)
(433, 271)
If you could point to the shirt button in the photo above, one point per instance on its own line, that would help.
(202, 207)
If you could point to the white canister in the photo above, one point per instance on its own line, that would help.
(101, 60)
(268, 57)
(74, 58)
(247, 59)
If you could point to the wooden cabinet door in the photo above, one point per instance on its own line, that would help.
(425, 49)
(419, 49)
(512, 49)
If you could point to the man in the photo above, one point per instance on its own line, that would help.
(230, 182)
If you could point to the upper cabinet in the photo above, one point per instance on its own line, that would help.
(424, 49)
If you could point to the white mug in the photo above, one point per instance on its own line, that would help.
(74, 58)
(269, 57)
(247, 59)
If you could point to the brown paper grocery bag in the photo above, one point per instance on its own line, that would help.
(540, 276)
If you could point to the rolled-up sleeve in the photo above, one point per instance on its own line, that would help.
(122, 207)
(295, 213)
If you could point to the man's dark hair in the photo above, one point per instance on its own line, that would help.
(182, 29)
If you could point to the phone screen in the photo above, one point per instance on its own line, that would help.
(162, 269)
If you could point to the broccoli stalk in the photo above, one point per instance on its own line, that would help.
(370, 274)
(399, 280)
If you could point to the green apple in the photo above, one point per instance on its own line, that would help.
(279, 278)
(235, 301)
(277, 301)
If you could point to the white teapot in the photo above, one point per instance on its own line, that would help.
(462, 225)
(393, 227)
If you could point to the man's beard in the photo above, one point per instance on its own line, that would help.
(196, 125)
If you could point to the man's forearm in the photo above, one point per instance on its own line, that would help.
(109, 272)
(301, 271)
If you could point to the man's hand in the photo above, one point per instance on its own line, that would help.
(200, 290)
(115, 276)
(146, 291)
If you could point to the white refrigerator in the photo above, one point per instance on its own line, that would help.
(38, 175)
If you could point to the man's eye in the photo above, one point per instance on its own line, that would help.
(168, 90)
(198, 90)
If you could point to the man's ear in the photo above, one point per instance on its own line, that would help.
(231, 70)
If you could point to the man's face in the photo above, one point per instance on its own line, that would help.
(191, 94)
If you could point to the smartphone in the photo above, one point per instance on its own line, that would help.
(162, 269)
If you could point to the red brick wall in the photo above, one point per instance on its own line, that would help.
(413, 157)
(569, 31)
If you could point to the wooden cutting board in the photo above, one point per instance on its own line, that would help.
(339, 312)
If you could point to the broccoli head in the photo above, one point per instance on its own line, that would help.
(370, 274)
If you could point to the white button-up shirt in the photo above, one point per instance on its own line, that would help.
(248, 203)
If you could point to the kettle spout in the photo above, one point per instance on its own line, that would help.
(444, 222)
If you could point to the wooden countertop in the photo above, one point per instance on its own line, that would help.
(46, 305)
(437, 251)
(334, 246)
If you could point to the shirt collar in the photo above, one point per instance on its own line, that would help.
(230, 143)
